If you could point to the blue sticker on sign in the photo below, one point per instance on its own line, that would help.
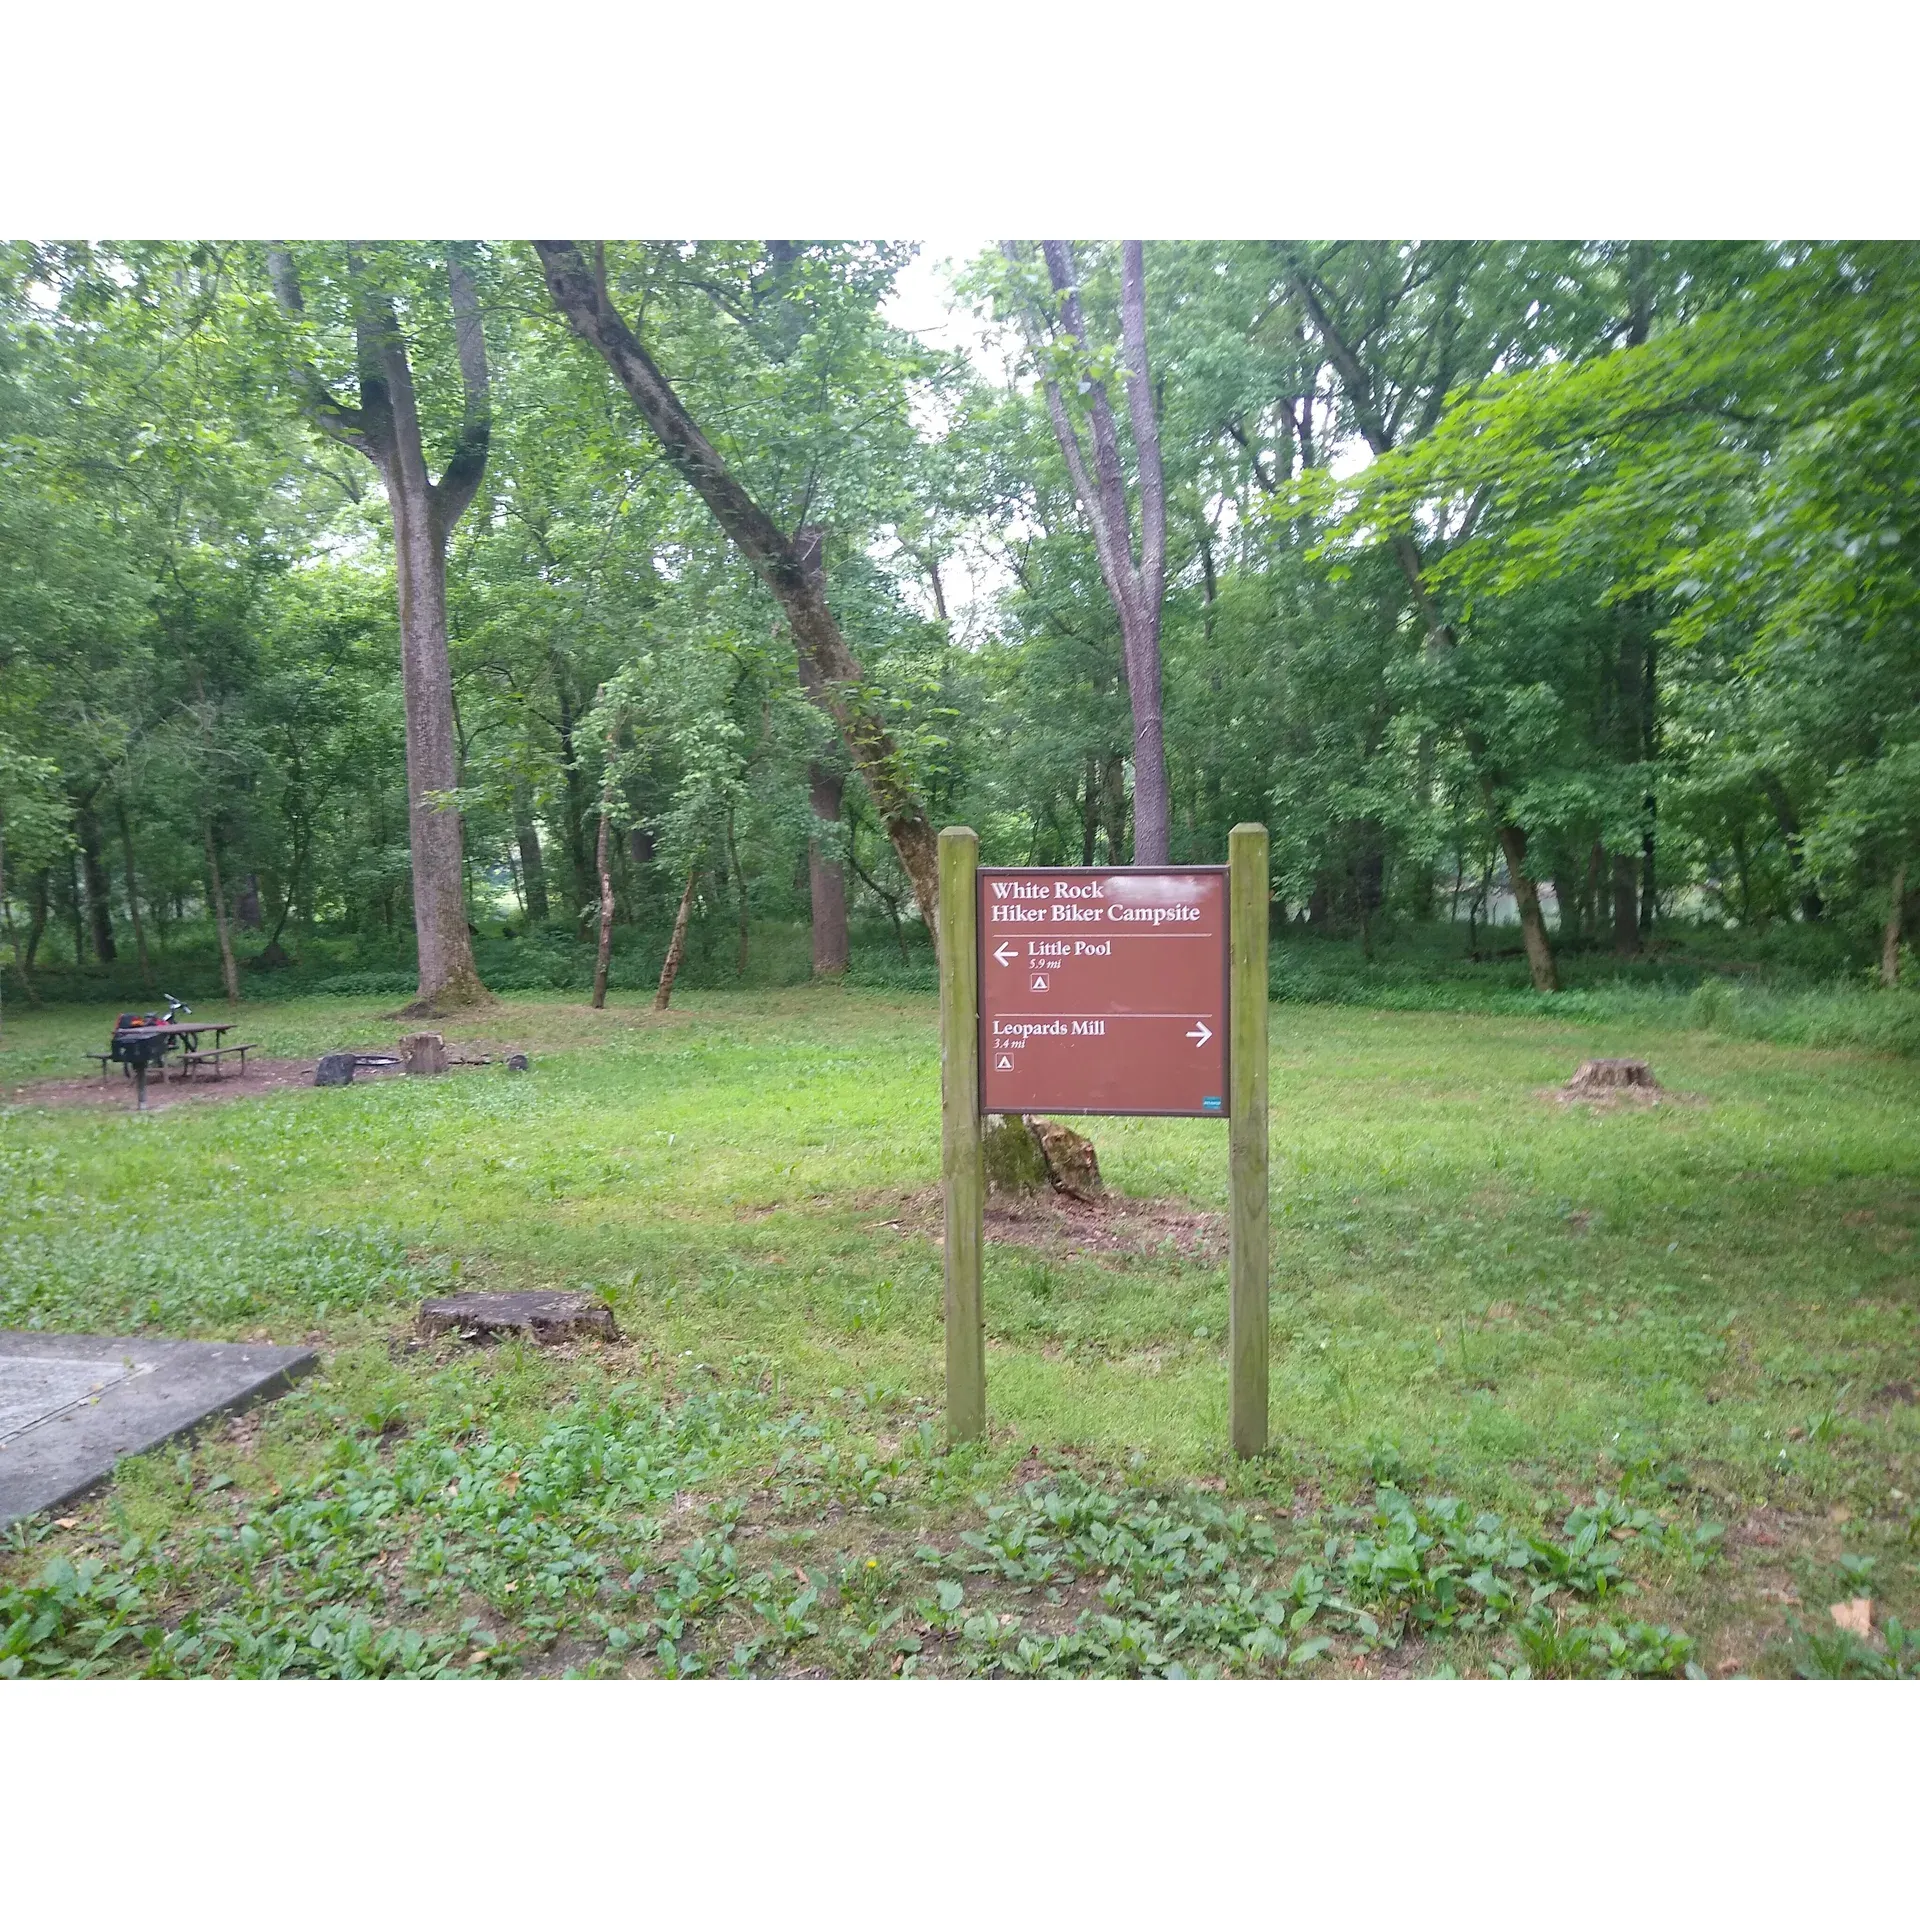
(1211, 1101)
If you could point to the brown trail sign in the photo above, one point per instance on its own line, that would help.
(1125, 990)
(1103, 990)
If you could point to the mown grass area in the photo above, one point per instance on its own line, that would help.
(1560, 1389)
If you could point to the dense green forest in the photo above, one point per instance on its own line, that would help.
(429, 617)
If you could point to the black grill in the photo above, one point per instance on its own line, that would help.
(140, 1040)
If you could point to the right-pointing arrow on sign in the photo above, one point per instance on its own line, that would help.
(1199, 1033)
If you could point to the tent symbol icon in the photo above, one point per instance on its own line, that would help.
(1004, 1064)
(1039, 983)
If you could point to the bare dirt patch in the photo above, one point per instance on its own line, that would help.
(111, 1090)
(1056, 1223)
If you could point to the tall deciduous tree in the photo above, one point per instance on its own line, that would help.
(580, 293)
(1135, 574)
(1389, 411)
(385, 426)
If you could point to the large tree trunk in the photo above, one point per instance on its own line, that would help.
(448, 978)
(1137, 589)
(1895, 930)
(99, 898)
(386, 428)
(580, 294)
(133, 894)
(217, 901)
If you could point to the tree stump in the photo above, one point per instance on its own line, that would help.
(1613, 1076)
(549, 1317)
(1022, 1154)
(333, 1070)
(1072, 1164)
(423, 1053)
(1014, 1161)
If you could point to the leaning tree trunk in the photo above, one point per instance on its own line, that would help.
(581, 295)
(1533, 923)
(1896, 927)
(677, 946)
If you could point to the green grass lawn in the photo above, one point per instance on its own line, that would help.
(1561, 1388)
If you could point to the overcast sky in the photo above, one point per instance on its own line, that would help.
(923, 303)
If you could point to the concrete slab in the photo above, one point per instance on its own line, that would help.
(71, 1405)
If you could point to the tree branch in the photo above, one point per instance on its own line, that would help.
(1146, 430)
(460, 480)
(1110, 487)
(317, 400)
(1353, 376)
(1238, 434)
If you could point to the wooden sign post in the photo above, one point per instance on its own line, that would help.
(1247, 1141)
(963, 1174)
(1128, 990)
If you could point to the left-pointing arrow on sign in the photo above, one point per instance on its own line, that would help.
(1003, 953)
(1199, 1033)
